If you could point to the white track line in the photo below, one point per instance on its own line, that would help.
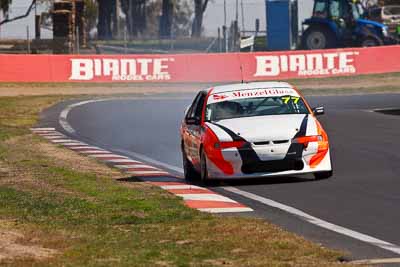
(316, 221)
(42, 129)
(60, 141)
(206, 197)
(67, 127)
(64, 114)
(54, 137)
(120, 161)
(74, 144)
(225, 210)
(108, 155)
(143, 168)
(80, 147)
(136, 164)
(152, 161)
(148, 173)
(184, 186)
(103, 152)
(376, 261)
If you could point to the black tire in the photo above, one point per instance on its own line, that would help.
(188, 170)
(317, 37)
(323, 175)
(370, 41)
(203, 169)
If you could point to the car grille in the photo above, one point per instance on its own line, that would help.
(275, 142)
(273, 166)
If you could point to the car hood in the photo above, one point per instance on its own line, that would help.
(261, 128)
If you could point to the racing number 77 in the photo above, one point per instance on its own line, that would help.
(286, 99)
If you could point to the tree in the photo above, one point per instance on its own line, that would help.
(166, 19)
(4, 6)
(135, 14)
(199, 9)
(91, 14)
(106, 12)
(181, 22)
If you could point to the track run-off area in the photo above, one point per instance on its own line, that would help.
(356, 210)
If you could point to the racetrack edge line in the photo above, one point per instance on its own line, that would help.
(316, 221)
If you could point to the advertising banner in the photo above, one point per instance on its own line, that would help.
(223, 67)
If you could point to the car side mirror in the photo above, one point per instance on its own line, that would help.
(193, 121)
(318, 111)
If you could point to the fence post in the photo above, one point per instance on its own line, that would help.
(77, 40)
(225, 37)
(125, 41)
(37, 26)
(219, 40)
(28, 40)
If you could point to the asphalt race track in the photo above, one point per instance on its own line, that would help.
(363, 195)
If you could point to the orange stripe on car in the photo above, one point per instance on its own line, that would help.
(323, 147)
(214, 153)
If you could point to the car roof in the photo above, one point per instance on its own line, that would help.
(248, 86)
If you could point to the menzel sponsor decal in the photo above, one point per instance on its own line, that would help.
(219, 97)
(262, 92)
(139, 69)
(307, 64)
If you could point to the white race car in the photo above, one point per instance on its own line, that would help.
(253, 130)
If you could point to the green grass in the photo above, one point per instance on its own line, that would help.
(93, 219)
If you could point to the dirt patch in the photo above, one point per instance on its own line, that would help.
(381, 81)
(352, 82)
(13, 246)
(79, 89)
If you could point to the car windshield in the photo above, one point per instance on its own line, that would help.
(256, 106)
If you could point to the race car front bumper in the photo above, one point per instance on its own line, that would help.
(272, 168)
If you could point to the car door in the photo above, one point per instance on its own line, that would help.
(187, 128)
(193, 129)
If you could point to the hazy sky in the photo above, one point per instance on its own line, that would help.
(214, 16)
(253, 9)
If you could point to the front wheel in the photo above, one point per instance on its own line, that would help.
(316, 37)
(188, 170)
(323, 175)
(203, 168)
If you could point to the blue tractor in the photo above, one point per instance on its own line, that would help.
(341, 23)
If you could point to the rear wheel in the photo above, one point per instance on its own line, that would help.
(188, 169)
(316, 37)
(323, 175)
